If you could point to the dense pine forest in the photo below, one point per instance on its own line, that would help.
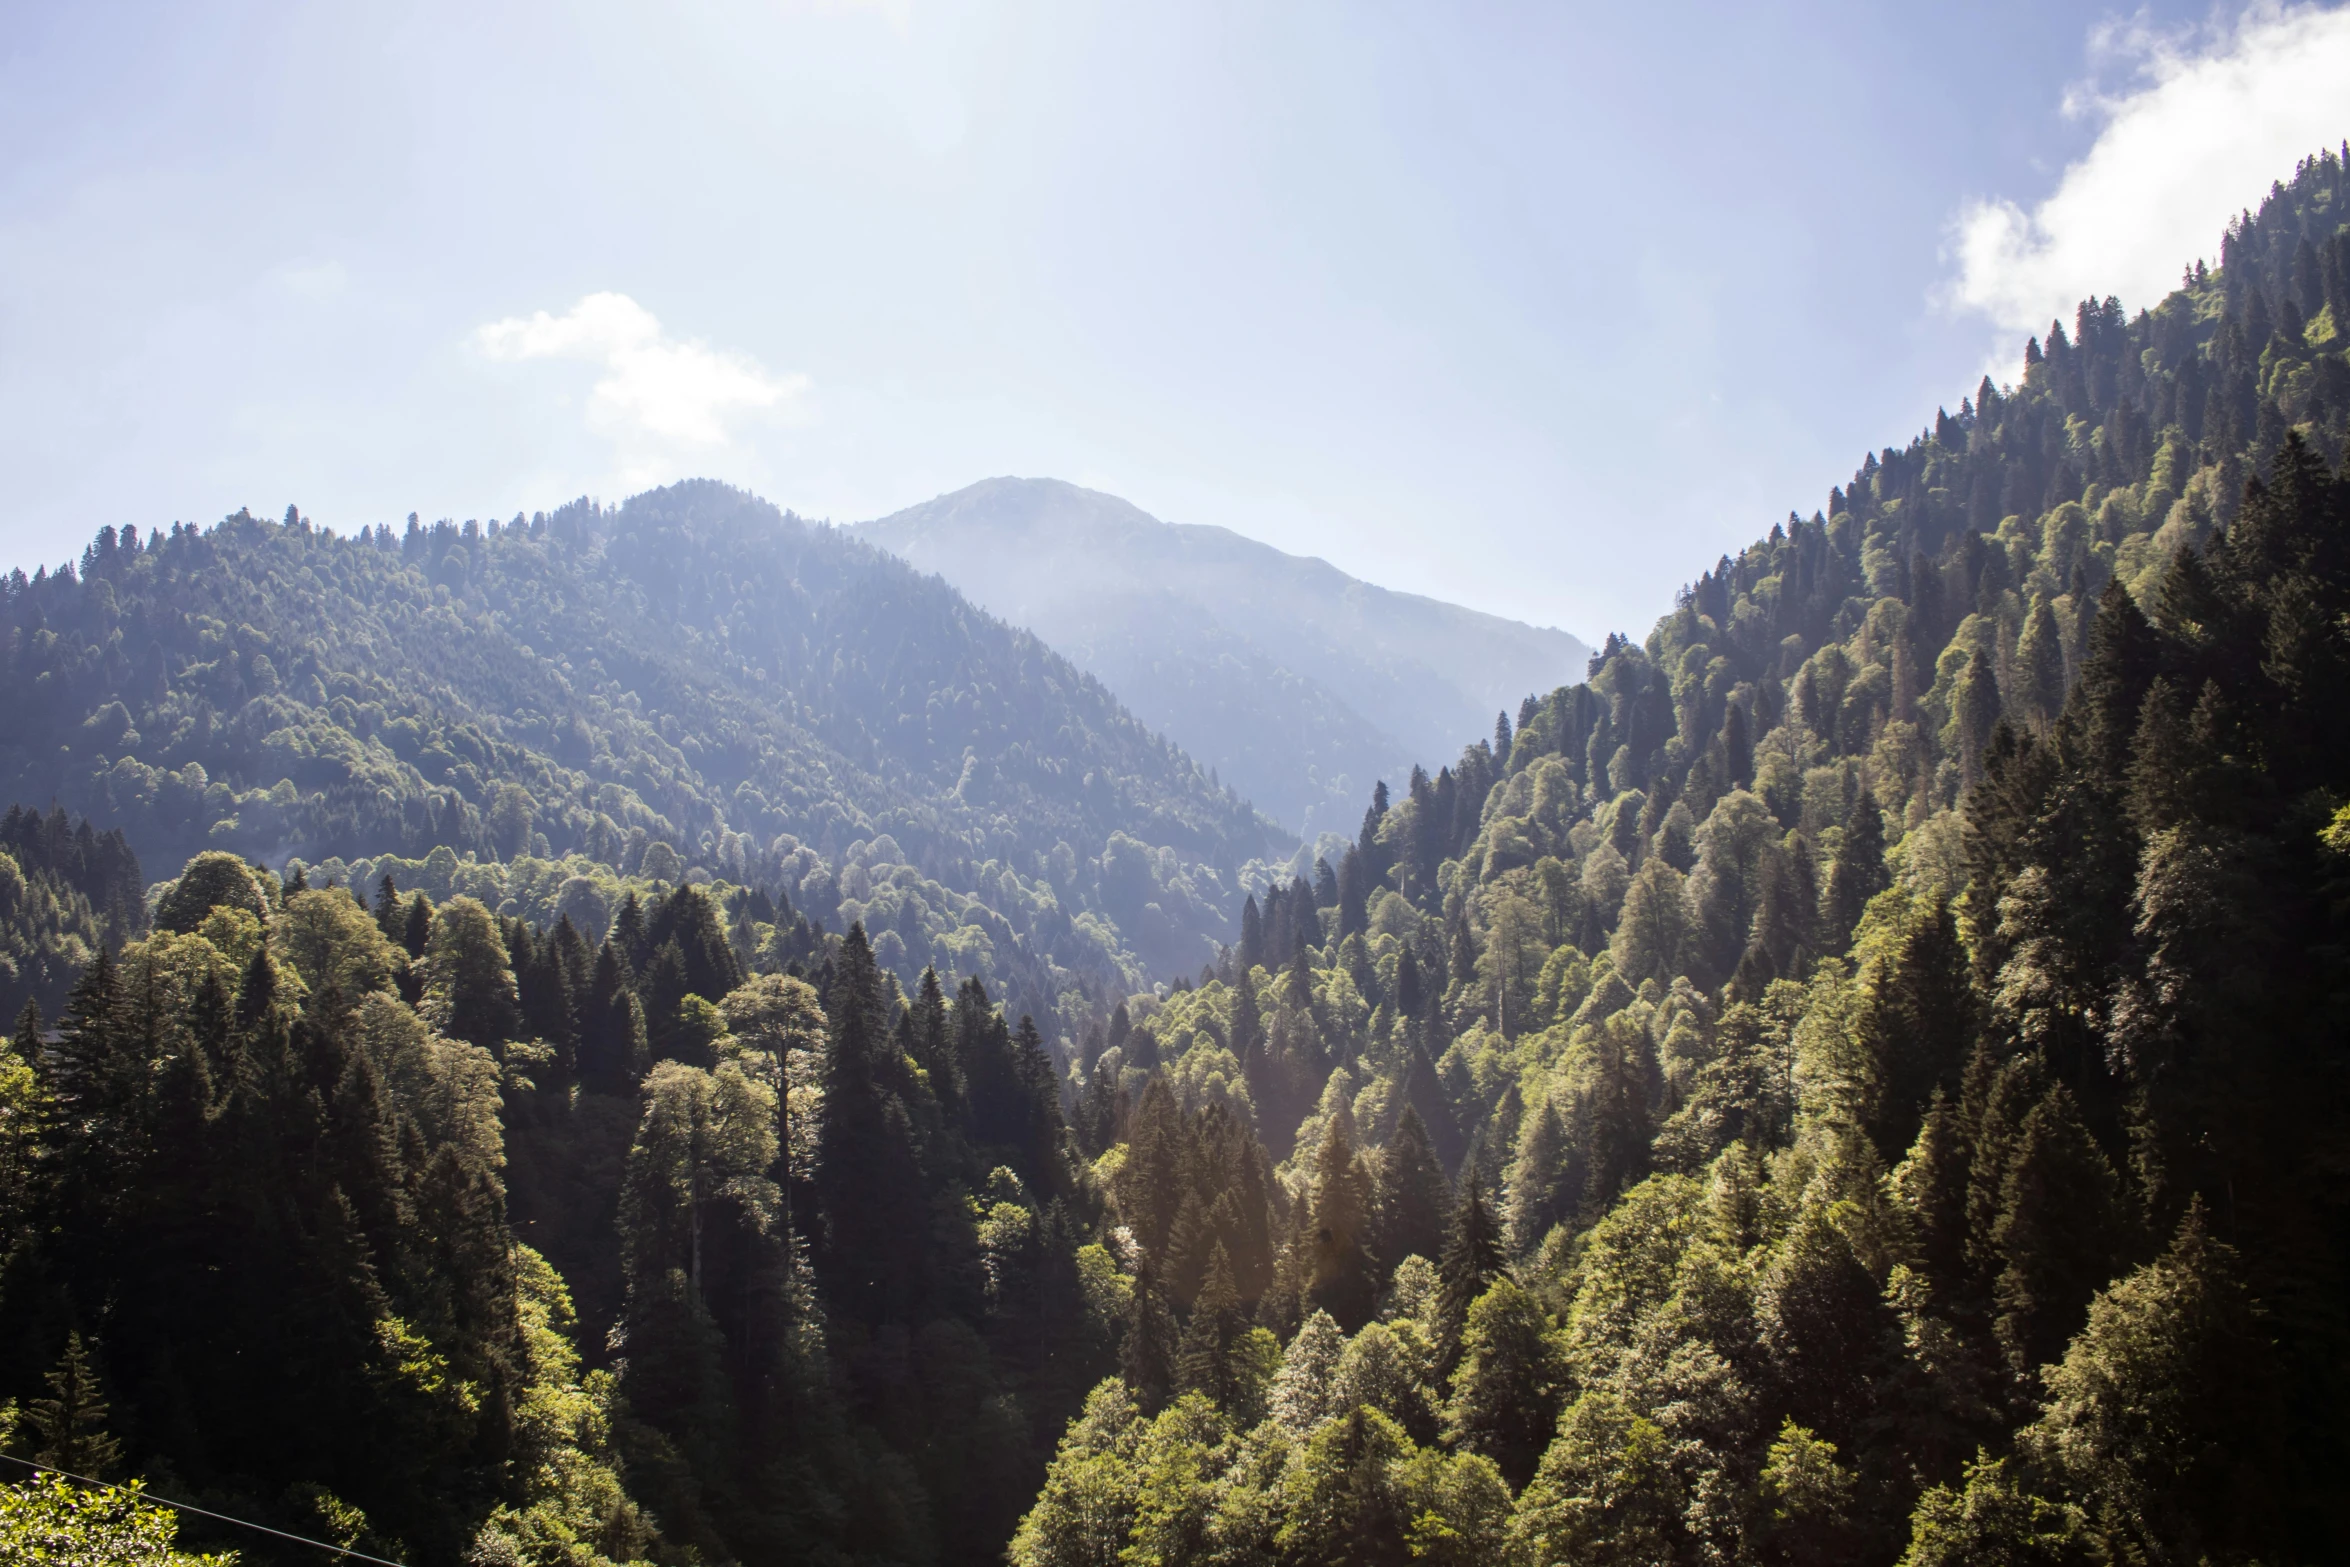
(1859, 1079)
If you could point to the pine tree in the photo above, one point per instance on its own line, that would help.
(69, 1425)
(1542, 1180)
(1472, 1261)
(1413, 1200)
(1345, 1278)
(2058, 1232)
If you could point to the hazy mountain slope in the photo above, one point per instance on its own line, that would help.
(694, 667)
(1300, 684)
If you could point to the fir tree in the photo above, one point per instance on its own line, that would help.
(69, 1425)
(1472, 1261)
(1542, 1180)
(1345, 1278)
(1412, 1200)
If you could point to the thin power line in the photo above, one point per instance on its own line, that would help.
(190, 1507)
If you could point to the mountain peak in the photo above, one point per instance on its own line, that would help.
(1299, 683)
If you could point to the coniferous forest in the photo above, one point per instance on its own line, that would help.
(665, 1036)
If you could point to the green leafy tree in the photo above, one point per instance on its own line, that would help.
(1605, 1492)
(51, 1520)
(469, 990)
(1506, 1391)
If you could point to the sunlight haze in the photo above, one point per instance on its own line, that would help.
(1524, 308)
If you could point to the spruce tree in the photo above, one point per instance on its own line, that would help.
(1252, 936)
(868, 1174)
(1472, 1261)
(416, 929)
(25, 1038)
(1412, 1201)
(2059, 1233)
(1203, 1361)
(1147, 1349)
(1919, 1022)
(69, 1425)
(1856, 875)
(1345, 1278)
(2039, 664)
(390, 917)
(1541, 1180)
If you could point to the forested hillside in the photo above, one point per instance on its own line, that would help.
(1859, 1078)
(781, 706)
(66, 891)
(1298, 683)
(444, 1238)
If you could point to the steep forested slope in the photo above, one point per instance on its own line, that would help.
(1861, 1077)
(779, 704)
(1298, 683)
(66, 891)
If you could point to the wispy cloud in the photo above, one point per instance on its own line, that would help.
(2207, 120)
(657, 395)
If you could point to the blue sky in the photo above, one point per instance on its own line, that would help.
(1535, 308)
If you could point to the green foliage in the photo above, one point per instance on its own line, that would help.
(1793, 1215)
(69, 1426)
(47, 1519)
(1839, 988)
(65, 892)
(691, 687)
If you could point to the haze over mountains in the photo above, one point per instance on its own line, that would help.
(1299, 684)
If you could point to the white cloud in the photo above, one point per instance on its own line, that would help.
(2196, 139)
(655, 390)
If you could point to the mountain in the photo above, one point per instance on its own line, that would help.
(1859, 1078)
(782, 705)
(1299, 684)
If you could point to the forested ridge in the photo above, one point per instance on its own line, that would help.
(780, 705)
(1858, 1079)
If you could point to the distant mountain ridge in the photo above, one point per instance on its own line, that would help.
(1298, 683)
